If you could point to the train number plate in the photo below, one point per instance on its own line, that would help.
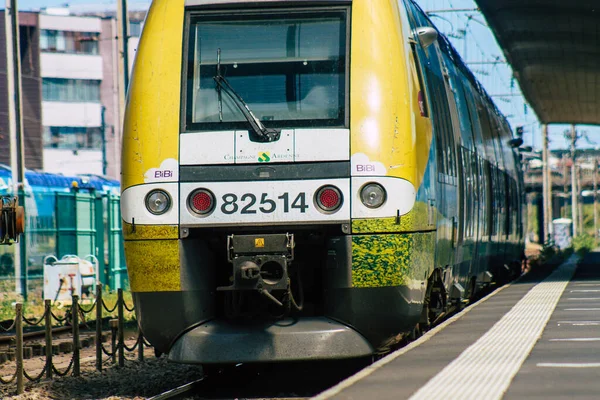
(263, 203)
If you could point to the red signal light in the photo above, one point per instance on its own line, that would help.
(329, 198)
(202, 201)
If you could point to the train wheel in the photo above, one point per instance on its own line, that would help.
(435, 303)
(416, 332)
(211, 370)
(216, 369)
(472, 290)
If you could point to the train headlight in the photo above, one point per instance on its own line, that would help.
(373, 195)
(202, 201)
(328, 199)
(158, 202)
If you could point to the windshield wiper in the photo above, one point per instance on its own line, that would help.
(264, 134)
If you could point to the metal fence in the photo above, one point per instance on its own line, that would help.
(74, 222)
(76, 318)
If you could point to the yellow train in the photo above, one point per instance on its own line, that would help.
(308, 180)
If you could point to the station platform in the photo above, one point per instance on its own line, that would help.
(536, 338)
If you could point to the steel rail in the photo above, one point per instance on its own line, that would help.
(180, 391)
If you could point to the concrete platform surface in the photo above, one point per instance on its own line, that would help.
(538, 337)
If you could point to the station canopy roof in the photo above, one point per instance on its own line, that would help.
(554, 49)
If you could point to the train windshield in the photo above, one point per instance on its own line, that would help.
(290, 69)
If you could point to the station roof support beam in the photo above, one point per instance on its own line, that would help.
(554, 49)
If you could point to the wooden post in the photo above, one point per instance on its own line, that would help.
(121, 334)
(75, 322)
(141, 346)
(19, 349)
(48, 323)
(99, 327)
(114, 326)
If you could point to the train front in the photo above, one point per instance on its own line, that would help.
(257, 227)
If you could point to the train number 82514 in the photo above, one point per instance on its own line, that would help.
(249, 203)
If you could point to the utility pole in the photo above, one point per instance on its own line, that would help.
(15, 117)
(122, 56)
(103, 133)
(547, 189)
(595, 180)
(580, 200)
(563, 214)
(574, 188)
(123, 34)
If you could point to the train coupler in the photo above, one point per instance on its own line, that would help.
(260, 263)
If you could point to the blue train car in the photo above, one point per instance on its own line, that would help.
(43, 217)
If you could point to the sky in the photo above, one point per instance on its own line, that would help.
(479, 46)
(33, 5)
(497, 79)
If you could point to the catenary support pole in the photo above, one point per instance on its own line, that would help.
(15, 118)
(545, 183)
(103, 133)
(595, 179)
(123, 34)
(580, 200)
(565, 174)
(574, 188)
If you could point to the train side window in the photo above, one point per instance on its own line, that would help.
(419, 54)
(434, 88)
(469, 191)
(496, 131)
(514, 206)
(423, 107)
(507, 205)
(442, 121)
(489, 177)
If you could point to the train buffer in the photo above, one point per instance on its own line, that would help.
(537, 338)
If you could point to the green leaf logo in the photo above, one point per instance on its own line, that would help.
(264, 157)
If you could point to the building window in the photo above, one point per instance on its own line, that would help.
(71, 90)
(73, 138)
(69, 42)
(135, 28)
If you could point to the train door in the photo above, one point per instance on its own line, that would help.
(443, 132)
(501, 196)
(455, 279)
(478, 189)
(467, 186)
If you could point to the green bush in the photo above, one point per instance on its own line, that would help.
(583, 244)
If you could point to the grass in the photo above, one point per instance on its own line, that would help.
(33, 308)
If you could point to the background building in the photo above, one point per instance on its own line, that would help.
(72, 71)
(32, 91)
(71, 86)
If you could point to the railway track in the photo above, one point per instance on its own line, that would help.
(281, 381)
(266, 381)
(180, 392)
